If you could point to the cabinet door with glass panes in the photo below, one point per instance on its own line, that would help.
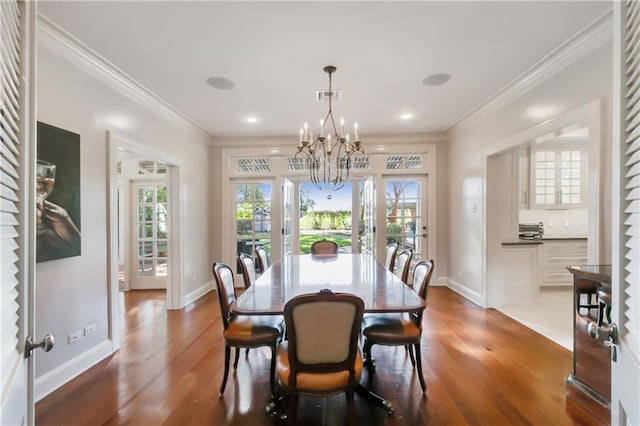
(558, 178)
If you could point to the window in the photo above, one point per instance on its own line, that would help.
(149, 167)
(253, 217)
(558, 177)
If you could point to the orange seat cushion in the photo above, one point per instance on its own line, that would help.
(314, 382)
(391, 329)
(253, 330)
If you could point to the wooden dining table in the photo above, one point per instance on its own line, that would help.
(359, 274)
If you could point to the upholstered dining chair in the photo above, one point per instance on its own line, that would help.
(244, 331)
(403, 263)
(321, 356)
(390, 256)
(324, 247)
(400, 329)
(263, 259)
(248, 269)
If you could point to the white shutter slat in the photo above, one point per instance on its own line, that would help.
(12, 178)
(7, 180)
(630, 284)
(8, 194)
(8, 167)
(7, 153)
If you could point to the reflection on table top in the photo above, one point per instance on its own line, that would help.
(360, 274)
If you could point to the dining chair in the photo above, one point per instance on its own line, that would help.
(248, 269)
(390, 256)
(263, 259)
(403, 264)
(321, 356)
(400, 329)
(324, 247)
(244, 331)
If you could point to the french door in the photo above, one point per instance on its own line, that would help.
(405, 214)
(150, 248)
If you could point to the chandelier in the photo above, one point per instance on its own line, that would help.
(328, 156)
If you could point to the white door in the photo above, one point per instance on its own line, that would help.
(406, 214)
(287, 217)
(150, 230)
(625, 371)
(17, 212)
(366, 227)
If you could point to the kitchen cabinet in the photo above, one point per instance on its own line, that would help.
(557, 255)
(523, 158)
(519, 274)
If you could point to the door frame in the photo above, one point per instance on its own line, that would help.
(175, 291)
(491, 239)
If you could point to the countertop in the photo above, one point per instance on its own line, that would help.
(535, 241)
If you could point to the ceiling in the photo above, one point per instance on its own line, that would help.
(274, 53)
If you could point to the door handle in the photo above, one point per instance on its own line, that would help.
(612, 337)
(46, 344)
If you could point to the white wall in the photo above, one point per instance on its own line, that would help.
(72, 293)
(585, 80)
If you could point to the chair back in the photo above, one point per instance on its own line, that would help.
(403, 263)
(421, 279)
(248, 269)
(324, 247)
(263, 259)
(390, 256)
(323, 331)
(223, 276)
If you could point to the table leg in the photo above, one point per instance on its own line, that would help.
(276, 410)
(375, 399)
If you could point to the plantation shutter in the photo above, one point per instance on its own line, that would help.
(10, 178)
(630, 281)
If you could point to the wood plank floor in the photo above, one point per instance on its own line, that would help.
(480, 366)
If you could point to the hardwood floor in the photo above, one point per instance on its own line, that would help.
(480, 366)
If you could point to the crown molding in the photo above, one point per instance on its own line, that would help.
(60, 42)
(584, 42)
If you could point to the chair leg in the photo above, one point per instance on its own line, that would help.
(601, 309)
(246, 353)
(272, 371)
(411, 357)
(227, 355)
(367, 355)
(419, 364)
(235, 361)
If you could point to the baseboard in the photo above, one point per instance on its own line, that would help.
(465, 292)
(62, 374)
(438, 281)
(198, 293)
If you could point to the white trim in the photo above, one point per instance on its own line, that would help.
(467, 293)
(54, 38)
(439, 282)
(198, 293)
(586, 41)
(67, 371)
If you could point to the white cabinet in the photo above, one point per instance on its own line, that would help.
(519, 273)
(557, 255)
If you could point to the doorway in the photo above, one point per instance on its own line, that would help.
(548, 176)
(144, 218)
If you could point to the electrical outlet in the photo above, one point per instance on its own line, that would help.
(91, 328)
(75, 336)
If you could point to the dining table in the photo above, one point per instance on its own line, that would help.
(356, 273)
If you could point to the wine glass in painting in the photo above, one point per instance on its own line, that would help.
(45, 178)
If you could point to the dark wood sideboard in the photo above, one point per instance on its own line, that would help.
(589, 384)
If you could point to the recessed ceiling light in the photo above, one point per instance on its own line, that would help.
(436, 79)
(251, 120)
(406, 116)
(220, 83)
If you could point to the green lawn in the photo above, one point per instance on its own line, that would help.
(307, 240)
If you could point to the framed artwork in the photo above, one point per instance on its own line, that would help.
(57, 194)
